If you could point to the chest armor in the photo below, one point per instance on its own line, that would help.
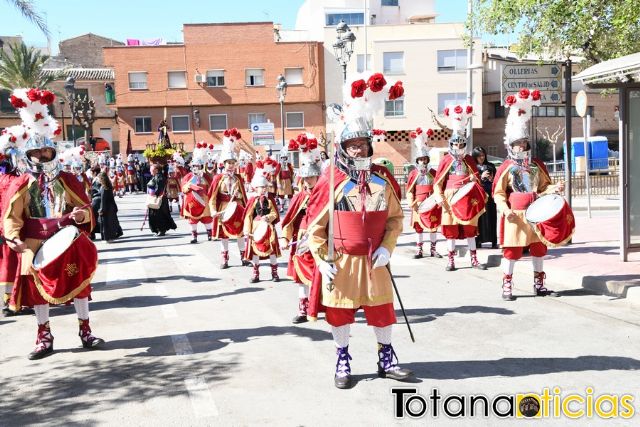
(352, 199)
(524, 179)
(229, 185)
(262, 207)
(47, 203)
(459, 167)
(424, 179)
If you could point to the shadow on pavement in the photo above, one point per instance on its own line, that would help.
(129, 283)
(422, 315)
(519, 367)
(129, 259)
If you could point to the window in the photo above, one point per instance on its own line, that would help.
(81, 93)
(143, 124)
(295, 120)
(492, 150)
(452, 60)
(257, 118)
(393, 62)
(180, 124)
(254, 77)
(361, 65)
(5, 103)
(394, 108)
(177, 79)
(355, 18)
(498, 111)
(448, 99)
(389, 2)
(558, 111)
(215, 78)
(217, 121)
(293, 76)
(138, 80)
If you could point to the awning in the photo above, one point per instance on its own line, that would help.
(618, 70)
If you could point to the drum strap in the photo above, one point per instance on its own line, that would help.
(43, 228)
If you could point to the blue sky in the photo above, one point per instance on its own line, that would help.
(120, 19)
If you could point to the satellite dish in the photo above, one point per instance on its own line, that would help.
(334, 113)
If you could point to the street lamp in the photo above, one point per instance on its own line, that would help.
(64, 135)
(281, 88)
(343, 46)
(70, 88)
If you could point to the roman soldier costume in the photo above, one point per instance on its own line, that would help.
(43, 203)
(426, 214)
(294, 225)
(131, 180)
(175, 173)
(457, 171)
(284, 176)
(228, 200)
(196, 188)
(260, 218)
(519, 181)
(245, 169)
(366, 221)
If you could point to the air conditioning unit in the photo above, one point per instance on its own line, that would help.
(201, 78)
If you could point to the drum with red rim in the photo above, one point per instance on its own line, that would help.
(262, 236)
(233, 213)
(468, 202)
(552, 219)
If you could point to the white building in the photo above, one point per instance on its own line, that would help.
(402, 39)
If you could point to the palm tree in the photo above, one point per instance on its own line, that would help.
(22, 67)
(25, 7)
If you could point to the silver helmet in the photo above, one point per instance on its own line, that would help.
(40, 143)
(355, 129)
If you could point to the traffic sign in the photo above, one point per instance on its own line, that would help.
(581, 103)
(263, 139)
(545, 78)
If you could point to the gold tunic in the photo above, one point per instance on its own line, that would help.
(354, 284)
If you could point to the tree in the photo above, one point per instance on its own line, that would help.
(25, 7)
(597, 29)
(22, 67)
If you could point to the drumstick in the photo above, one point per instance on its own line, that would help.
(6, 239)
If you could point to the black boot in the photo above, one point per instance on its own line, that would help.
(194, 235)
(88, 339)
(418, 254)
(538, 285)
(388, 364)
(274, 273)
(342, 378)
(256, 273)
(434, 253)
(302, 311)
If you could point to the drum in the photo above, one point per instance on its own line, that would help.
(65, 264)
(427, 204)
(233, 213)
(552, 219)
(262, 238)
(468, 203)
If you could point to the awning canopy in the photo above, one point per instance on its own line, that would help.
(619, 70)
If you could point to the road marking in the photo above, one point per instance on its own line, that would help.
(181, 345)
(161, 290)
(201, 398)
(169, 312)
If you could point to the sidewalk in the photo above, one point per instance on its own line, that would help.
(591, 262)
(598, 203)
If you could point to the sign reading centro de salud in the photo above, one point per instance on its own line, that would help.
(545, 78)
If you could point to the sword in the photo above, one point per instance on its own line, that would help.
(332, 206)
(395, 288)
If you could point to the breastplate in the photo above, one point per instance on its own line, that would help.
(50, 203)
(524, 180)
(425, 179)
(459, 167)
(352, 199)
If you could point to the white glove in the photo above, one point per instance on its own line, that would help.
(327, 270)
(381, 257)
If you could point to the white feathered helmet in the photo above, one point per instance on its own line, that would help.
(201, 153)
(229, 144)
(517, 127)
(310, 160)
(421, 142)
(260, 176)
(459, 116)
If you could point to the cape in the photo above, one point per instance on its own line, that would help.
(413, 175)
(504, 168)
(445, 164)
(295, 206)
(215, 184)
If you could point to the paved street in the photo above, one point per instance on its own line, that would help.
(190, 344)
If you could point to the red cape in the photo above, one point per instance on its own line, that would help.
(294, 208)
(445, 164)
(411, 179)
(215, 183)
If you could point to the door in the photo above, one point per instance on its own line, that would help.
(632, 172)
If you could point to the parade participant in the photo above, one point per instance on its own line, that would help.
(519, 181)
(78, 170)
(457, 169)
(269, 166)
(74, 158)
(366, 223)
(487, 223)
(174, 175)
(301, 264)
(284, 174)
(226, 188)
(425, 216)
(39, 199)
(245, 169)
(160, 220)
(195, 187)
(131, 179)
(260, 218)
(112, 164)
(120, 186)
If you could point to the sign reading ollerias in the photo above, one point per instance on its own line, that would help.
(545, 78)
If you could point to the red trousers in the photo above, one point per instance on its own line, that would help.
(537, 249)
(459, 231)
(379, 315)
(204, 220)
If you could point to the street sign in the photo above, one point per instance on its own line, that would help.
(263, 139)
(545, 78)
(581, 103)
(262, 127)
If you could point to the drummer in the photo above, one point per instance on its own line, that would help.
(294, 225)
(195, 187)
(41, 196)
(261, 214)
(228, 187)
(420, 188)
(284, 174)
(519, 181)
(455, 170)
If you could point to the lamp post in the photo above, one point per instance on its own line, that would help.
(343, 47)
(64, 134)
(70, 88)
(281, 88)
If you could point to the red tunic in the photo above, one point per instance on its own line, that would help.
(219, 201)
(294, 224)
(428, 220)
(251, 222)
(196, 200)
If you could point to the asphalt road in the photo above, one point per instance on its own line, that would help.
(190, 344)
